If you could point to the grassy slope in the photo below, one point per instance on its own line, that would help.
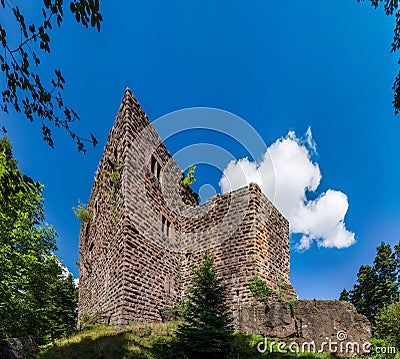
(136, 341)
(145, 341)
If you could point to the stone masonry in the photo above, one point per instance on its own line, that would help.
(146, 232)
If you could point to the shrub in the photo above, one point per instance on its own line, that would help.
(260, 290)
(388, 324)
(81, 212)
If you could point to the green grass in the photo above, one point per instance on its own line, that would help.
(245, 347)
(135, 341)
(148, 341)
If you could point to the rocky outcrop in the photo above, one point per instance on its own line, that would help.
(332, 321)
(18, 348)
(315, 325)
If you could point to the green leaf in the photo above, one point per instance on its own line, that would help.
(94, 140)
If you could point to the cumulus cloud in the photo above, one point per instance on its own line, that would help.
(286, 173)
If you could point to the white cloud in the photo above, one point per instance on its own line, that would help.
(310, 141)
(285, 174)
(65, 273)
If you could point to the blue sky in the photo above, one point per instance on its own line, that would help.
(281, 66)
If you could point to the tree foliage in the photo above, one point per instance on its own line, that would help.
(391, 8)
(207, 330)
(344, 295)
(24, 42)
(37, 297)
(377, 285)
(388, 324)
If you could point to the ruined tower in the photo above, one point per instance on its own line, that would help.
(146, 231)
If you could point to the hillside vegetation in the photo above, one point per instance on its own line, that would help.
(146, 341)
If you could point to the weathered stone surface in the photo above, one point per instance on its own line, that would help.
(280, 321)
(18, 348)
(277, 321)
(317, 321)
(168, 314)
(331, 321)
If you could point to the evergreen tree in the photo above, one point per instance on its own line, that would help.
(363, 293)
(207, 330)
(36, 296)
(386, 270)
(377, 285)
(344, 295)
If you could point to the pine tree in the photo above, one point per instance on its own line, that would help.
(377, 285)
(363, 293)
(344, 295)
(207, 331)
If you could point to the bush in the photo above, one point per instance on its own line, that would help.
(81, 212)
(388, 324)
(260, 290)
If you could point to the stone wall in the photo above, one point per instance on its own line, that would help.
(18, 348)
(126, 271)
(232, 244)
(309, 321)
(145, 233)
(102, 242)
(272, 246)
(247, 236)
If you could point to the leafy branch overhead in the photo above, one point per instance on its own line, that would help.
(24, 89)
(392, 8)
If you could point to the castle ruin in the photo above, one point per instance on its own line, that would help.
(146, 233)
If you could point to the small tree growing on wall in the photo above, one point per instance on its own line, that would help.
(190, 179)
(207, 331)
(81, 212)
